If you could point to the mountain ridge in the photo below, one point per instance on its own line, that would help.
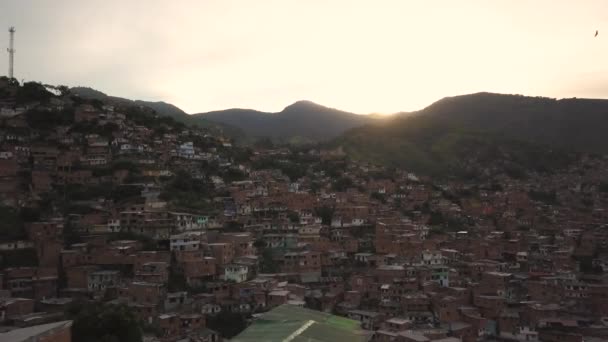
(161, 107)
(304, 121)
(542, 120)
(452, 129)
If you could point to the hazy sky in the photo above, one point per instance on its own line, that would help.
(361, 56)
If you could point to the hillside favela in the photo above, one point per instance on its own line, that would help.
(449, 183)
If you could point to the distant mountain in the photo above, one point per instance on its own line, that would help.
(578, 124)
(528, 131)
(303, 121)
(162, 108)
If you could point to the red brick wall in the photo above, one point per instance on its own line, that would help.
(62, 335)
(200, 268)
(558, 336)
(42, 231)
(490, 307)
(49, 253)
(19, 307)
(146, 294)
(77, 277)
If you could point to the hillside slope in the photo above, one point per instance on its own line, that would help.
(578, 124)
(303, 121)
(162, 108)
(530, 131)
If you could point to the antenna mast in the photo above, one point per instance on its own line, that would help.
(11, 52)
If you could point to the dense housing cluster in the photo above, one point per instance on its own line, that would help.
(194, 236)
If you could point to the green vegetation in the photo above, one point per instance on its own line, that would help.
(150, 119)
(378, 197)
(18, 258)
(161, 108)
(126, 165)
(94, 322)
(32, 92)
(460, 136)
(115, 192)
(177, 281)
(332, 168)
(325, 213)
(436, 218)
(123, 192)
(300, 123)
(48, 120)
(291, 168)
(228, 324)
(267, 263)
(70, 234)
(86, 193)
(440, 151)
(264, 142)
(188, 192)
(11, 224)
(342, 184)
(293, 217)
(233, 226)
(233, 175)
(547, 197)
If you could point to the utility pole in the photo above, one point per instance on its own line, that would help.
(11, 52)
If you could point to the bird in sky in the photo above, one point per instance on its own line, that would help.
(596, 33)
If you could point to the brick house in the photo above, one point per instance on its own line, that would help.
(31, 282)
(15, 307)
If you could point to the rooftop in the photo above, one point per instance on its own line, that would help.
(32, 333)
(398, 320)
(292, 323)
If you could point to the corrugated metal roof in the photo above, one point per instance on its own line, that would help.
(288, 323)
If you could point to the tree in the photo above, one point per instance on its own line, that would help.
(120, 193)
(267, 264)
(342, 184)
(31, 92)
(70, 234)
(315, 187)
(94, 322)
(291, 169)
(436, 218)
(26, 257)
(177, 281)
(11, 224)
(233, 226)
(259, 243)
(233, 175)
(265, 143)
(547, 197)
(49, 119)
(228, 324)
(29, 214)
(126, 165)
(293, 217)
(379, 197)
(63, 90)
(325, 213)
